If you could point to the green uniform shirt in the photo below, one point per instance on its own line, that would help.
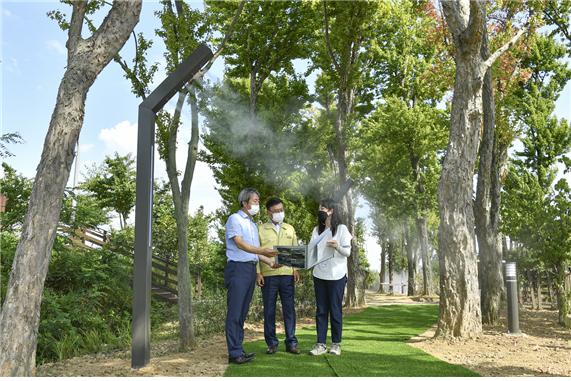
(269, 238)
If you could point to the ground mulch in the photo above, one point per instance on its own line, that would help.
(544, 349)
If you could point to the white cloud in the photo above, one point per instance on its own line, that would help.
(84, 148)
(7, 13)
(203, 190)
(121, 138)
(56, 46)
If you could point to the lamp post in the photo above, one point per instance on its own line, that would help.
(148, 109)
(513, 312)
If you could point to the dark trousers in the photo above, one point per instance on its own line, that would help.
(329, 300)
(240, 280)
(284, 286)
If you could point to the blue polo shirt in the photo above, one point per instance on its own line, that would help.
(241, 224)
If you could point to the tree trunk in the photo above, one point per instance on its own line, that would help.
(181, 196)
(539, 298)
(563, 296)
(19, 319)
(391, 254)
(424, 252)
(199, 284)
(253, 93)
(486, 207)
(531, 281)
(383, 268)
(460, 314)
(552, 298)
(411, 261)
(353, 273)
(344, 105)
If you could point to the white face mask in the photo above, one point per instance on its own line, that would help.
(254, 209)
(278, 218)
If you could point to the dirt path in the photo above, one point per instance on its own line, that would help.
(543, 350)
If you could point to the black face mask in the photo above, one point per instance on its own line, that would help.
(321, 217)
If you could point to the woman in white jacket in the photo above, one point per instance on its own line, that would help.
(330, 276)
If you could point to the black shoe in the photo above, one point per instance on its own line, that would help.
(272, 349)
(293, 349)
(249, 355)
(239, 360)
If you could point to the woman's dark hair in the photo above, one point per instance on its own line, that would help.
(335, 219)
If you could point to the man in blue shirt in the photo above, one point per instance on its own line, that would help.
(243, 251)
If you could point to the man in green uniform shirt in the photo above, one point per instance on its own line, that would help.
(277, 281)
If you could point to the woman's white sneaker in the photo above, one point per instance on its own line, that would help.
(318, 349)
(335, 349)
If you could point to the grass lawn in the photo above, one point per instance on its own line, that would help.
(374, 345)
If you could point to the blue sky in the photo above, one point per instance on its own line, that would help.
(33, 56)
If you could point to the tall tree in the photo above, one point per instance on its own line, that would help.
(113, 184)
(255, 114)
(271, 36)
(182, 30)
(402, 168)
(460, 313)
(344, 57)
(85, 59)
(486, 205)
(536, 210)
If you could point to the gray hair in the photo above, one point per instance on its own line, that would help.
(246, 194)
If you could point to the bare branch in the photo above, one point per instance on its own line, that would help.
(327, 40)
(227, 36)
(490, 61)
(192, 150)
(115, 20)
(171, 156)
(75, 26)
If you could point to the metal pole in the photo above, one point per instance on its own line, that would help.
(513, 312)
(141, 346)
(141, 349)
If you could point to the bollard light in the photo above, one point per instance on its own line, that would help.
(513, 312)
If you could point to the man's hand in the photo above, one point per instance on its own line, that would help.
(260, 280)
(296, 276)
(268, 252)
(276, 266)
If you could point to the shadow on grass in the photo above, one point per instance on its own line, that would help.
(373, 346)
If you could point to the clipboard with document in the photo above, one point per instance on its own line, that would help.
(306, 256)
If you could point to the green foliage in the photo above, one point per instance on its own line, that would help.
(401, 171)
(181, 32)
(269, 36)
(8, 243)
(265, 154)
(9, 138)
(535, 208)
(113, 184)
(86, 303)
(17, 189)
(82, 211)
